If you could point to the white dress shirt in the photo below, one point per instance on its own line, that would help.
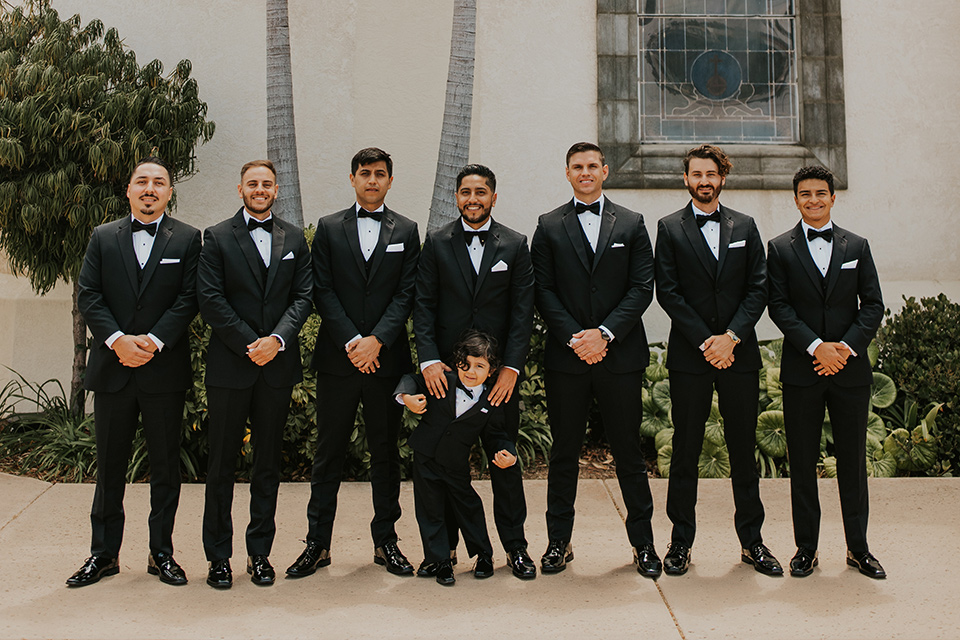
(261, 238)
(369, 231)
(710, 231)
(464, 401)
(475, 248)
(142, 246)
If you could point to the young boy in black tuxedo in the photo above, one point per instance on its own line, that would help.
(441, 463)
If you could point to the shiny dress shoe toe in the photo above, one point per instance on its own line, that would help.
(484, 566)
(647, 561)
(313, 557)
(390, 556)
(444, 573)
(803, 562)
(762, 560)
(677, 560)
(867, 564)
(261, 571)
(428, 569)
(522, 564)
(166, 568)
(93, 569)
(556, 557)
(219, 575)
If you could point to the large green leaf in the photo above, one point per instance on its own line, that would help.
(713, 429)
(661, 395)
(663, 438)
(910, 450)
(771, 434)
(830, 467)
(655, 419)
(714, 461)
(873, 352)
(664, 455)
(876, 426)
(774, 386)
(883, 391)
(657, 369)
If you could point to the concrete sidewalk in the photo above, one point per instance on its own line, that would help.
(915, 532)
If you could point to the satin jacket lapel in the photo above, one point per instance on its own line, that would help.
(353, 238)
(799, 244)
(490, 250)
(459, 245)
(127, 254)
(726, 232)
(836, 259)
(247, 247)
(159, 244)
(607, 221)
(688, 222)
(276, 254)
(387, 225)
(575, 232)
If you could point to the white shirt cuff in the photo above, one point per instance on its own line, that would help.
(353, 339)
(283, 345)
(516, 371)
(113, 338)
(424, 365)
(813, 346)
(852, 352)
(157, 341)
(399, 398)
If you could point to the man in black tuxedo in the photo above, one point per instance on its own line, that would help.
(825, 298)
(594, 272)
(137, 294)
(475, 273)
(364, 270)
(712, 282)
(253, 284)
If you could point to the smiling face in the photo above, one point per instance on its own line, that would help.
(475, 200)
(586, 173)
(814, 201)
(258, 188)
(149, 192)
(474, 372)
(371, 182)
(704, 183)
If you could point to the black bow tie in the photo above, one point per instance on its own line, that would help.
(150, 228)
(826, 234)
(376, 215)
(470, 235)
(704, 219)
(266, 225)
(594, 208)
(463, 388)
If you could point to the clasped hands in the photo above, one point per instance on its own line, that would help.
(830, 357)
(364, 353)
(134, 351)
(589, 345)
(718, 350)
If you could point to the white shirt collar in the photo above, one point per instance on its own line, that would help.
(247, 217)
(157, 221)
(378, 209)
(601, 200)
(485, 227)
(806, 227)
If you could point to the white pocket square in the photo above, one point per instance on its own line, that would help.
(739, 244)
(616, 245)
(395, 248)
(500, 266)
(169, 260)
(849, 265)
(289, 256)
(483, 410)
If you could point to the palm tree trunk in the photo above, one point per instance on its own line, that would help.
(455, 134)
(281, 129)
(78, 397)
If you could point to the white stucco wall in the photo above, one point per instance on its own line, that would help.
(374, 72)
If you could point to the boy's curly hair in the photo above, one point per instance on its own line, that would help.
(477, 344)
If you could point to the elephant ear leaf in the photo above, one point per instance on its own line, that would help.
(883, 391)
(876, 427)
(714, 461)
(771, 435)
(664, 455)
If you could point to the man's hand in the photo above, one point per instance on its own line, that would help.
(416, 403)
(830, 358)
(151, 345)
(134, 351)
(364, 354)
(718, 350)
(436, 381)
(588, 344)
(504, 459)
(503, 390)
(263, 350)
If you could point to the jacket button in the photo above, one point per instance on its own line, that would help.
(139, 307)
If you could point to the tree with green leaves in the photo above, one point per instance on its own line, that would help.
(77, 112)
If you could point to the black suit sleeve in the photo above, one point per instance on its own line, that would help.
(90, 298)
(521, 311)
(494, 438)
(393, 322)
(755, 300)
(411, 384)
(626, 315)
(171, 326)
(211, 295)
(300, 305)
(425, 305)
(324, 296)
(555, 314)
(671, 298)
(868, 319)
(780, 306)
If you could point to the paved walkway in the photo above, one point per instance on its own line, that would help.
(915, 531)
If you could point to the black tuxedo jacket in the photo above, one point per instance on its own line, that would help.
(115, 296)
(705, 296)
(241, 305)
(448, 439)
(351, 302)
(848, 307)
(613, 290)
(500, 304)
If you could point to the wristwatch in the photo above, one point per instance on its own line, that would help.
(606, 336)
(733, 336)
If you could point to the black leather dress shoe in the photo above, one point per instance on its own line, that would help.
(261, 571)
(556, 557)
(219, 575)
(313, 557)
(428, 569)
(762, 560)
(166, 568)
(390, 556)
(647, 561)
(867, 564)
(94, 568)
(803, 562)
(522, 564)
(445, 573)
(484, 566)
(677, 560)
